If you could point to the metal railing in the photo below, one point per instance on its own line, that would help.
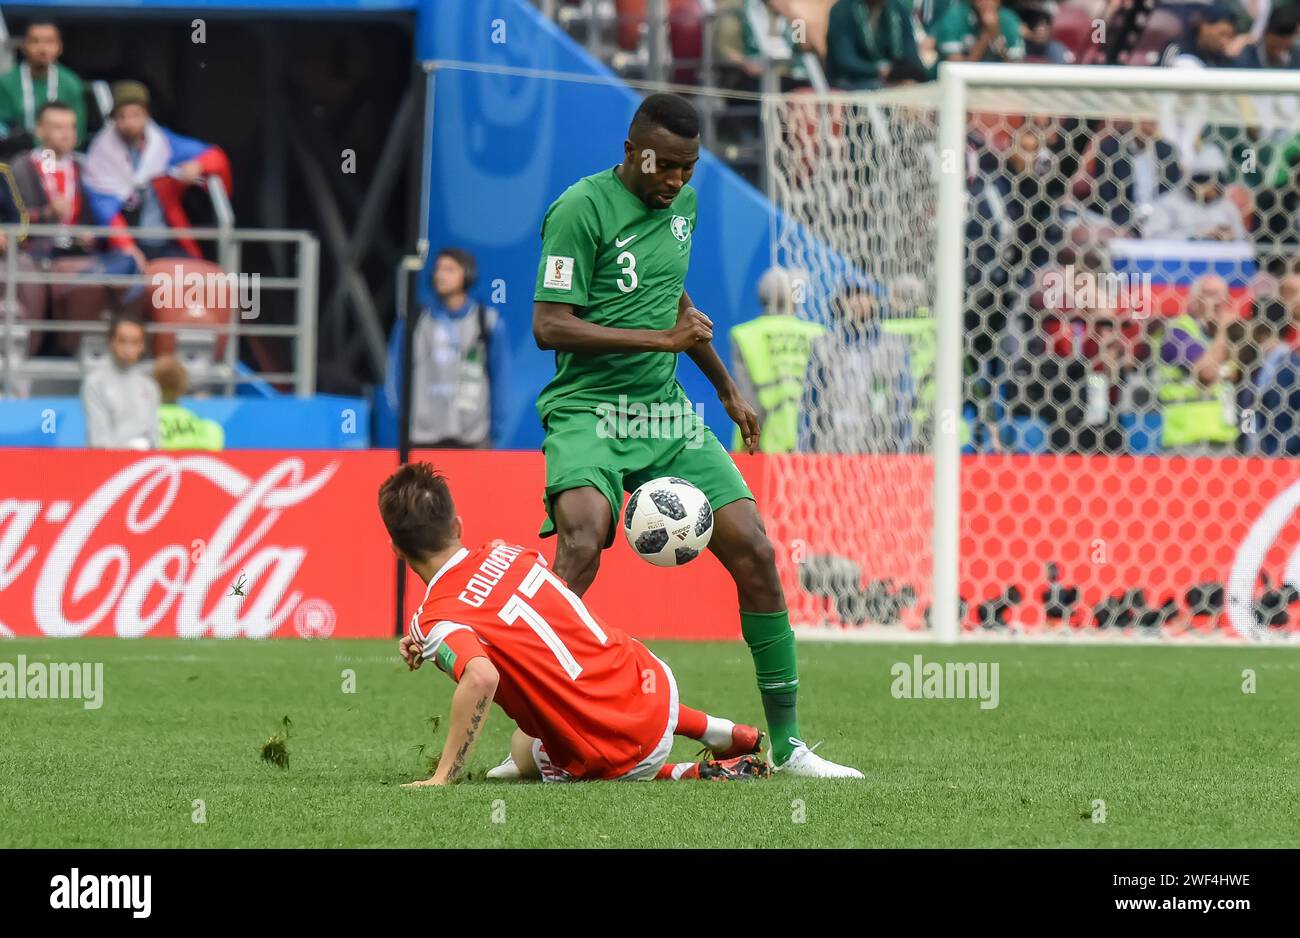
(229, 240)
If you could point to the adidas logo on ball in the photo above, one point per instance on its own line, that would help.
(668, 522)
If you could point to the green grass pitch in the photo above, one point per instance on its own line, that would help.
(1164, 736)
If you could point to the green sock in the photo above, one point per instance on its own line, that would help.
(771, 642)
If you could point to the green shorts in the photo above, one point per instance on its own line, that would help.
(580, 451)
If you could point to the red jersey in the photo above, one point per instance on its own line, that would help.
(597, 699)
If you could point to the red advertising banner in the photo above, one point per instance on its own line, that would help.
(129, 545)
(125, 544)
(99, 543)
(1051, 542)
(1212, 535)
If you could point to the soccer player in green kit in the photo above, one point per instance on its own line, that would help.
(610, 301)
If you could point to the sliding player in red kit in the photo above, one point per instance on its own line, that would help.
(589, 701)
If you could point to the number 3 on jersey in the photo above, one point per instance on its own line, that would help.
(517, 607)
(627, 268)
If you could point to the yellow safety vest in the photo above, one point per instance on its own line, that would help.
(1191, 411)
(182, 429)
(775, 350)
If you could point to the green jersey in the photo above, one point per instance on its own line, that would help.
(622, 265)
(181, 428)
(959, 29)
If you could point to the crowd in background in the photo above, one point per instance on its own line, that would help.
(1204, 363)
(129, 175)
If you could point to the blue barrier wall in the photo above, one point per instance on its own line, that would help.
(322, 422)
(505, 147)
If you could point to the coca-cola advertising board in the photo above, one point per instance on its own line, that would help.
(128, 545)
(290, 544)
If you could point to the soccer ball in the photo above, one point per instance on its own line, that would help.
(668, 522)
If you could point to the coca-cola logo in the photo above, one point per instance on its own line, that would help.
(176, 579)
(1250, 556)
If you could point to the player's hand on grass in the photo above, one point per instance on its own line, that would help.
(739, 410)
(412, 652)
(692, 328)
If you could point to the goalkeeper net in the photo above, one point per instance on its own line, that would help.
(852, 181)
(1127, 295)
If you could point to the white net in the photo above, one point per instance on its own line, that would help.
(853, 185)
(1131, 379)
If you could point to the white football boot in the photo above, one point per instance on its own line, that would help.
(804, 763)
(506, 770)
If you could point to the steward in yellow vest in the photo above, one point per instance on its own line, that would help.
(770, 362)
(1193, 411)
(179, 428)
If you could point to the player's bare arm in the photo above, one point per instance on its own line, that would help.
(469, 708)
(708, 360)
(558, 327)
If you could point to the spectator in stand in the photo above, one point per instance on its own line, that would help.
(1125, 169)
(1277, 47)
(120, 399)
(1078, 377)
(1195, 373)
(1200, 210)
(769, 361)
(178, 426)
(979, 31)
(49, 180)
(1023, 187)
(31, 297)
(925, 16)
(863, 39)
(905, 72)
(745, 27)
(40, 79)
(461, 357)
(1207, 44)
(1210, 41)
(1270, 394)
(1039, 44)
(136, 172)
(859, 393)
(1288, 291)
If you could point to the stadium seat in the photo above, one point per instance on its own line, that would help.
(1142, 432)
(178, 312)
(1162, 28)
(1072, 28)
(686, 39)
(631, 21)
(75, 303)
(32, 301)
(1023, 435)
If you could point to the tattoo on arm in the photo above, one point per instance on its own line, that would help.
(476, 721)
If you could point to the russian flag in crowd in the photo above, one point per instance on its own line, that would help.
(1173, 266)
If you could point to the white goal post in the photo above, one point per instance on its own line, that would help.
(1071, 493)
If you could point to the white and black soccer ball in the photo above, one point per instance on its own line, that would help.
(668, 522)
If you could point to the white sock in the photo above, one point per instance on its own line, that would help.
(717, 732)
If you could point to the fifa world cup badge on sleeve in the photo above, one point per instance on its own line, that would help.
(559, 273)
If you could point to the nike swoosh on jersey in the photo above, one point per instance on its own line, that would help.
(623, 242)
